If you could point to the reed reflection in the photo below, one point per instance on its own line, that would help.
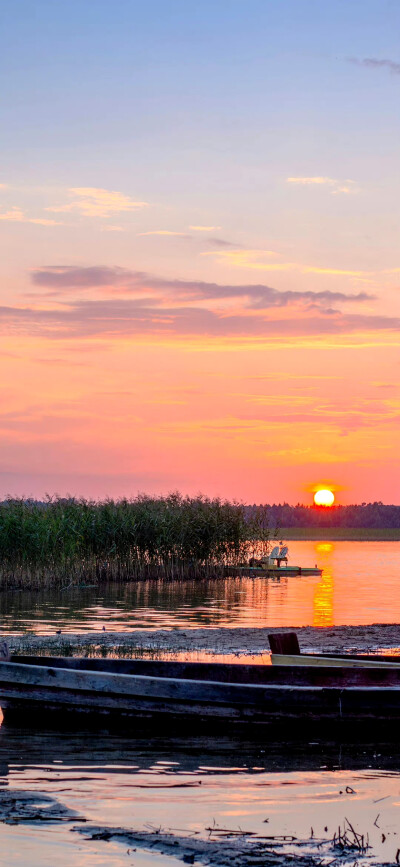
(350, 572)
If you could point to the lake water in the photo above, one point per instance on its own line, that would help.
(360, 584)
(189, 785)
(192, 784)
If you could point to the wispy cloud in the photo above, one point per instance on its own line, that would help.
(58, 279)
(165, 232)
(97, 202)
(110, 318)
(314, 180)
(15, 215)
(258, 260)
(205, 228)
(335, 185)
(222, 242)
(120, 302)
(239, 256)
(61, 277)
(392, 66)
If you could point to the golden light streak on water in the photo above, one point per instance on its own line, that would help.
(323, 601)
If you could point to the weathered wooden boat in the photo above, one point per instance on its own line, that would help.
(301, 698)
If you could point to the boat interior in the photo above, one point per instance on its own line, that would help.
(295, 675)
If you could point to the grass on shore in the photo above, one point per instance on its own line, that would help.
(345, 534)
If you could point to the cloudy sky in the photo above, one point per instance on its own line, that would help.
(200, 263)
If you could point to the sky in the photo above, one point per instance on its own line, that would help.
(199, 248)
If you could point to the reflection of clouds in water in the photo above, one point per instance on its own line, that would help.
(323, 601)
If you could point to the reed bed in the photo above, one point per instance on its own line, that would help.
(67, 542)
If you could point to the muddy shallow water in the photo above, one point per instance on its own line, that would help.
(190, 785)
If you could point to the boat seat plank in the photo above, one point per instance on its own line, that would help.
(300, 660)
(284, 642)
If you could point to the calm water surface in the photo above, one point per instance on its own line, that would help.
(137, 783)
(360, 584)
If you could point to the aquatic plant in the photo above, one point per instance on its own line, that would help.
(74, 541)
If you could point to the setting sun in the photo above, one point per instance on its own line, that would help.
(324, 497)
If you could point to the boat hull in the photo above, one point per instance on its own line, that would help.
(203, 694)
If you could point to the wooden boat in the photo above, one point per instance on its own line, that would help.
(296, 697)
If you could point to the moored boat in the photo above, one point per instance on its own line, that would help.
(204, 694)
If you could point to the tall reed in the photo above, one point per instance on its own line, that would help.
(69, 541)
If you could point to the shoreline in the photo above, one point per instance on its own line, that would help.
(220, 641)
(339, 534)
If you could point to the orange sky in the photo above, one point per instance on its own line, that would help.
(253, 419)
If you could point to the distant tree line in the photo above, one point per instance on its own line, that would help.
(376, 515)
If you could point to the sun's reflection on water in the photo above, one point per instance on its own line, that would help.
(324, 548)
(324, 590)
(323, 601)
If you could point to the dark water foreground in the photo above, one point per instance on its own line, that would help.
(65, 794)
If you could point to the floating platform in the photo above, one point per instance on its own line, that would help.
(272, 571)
